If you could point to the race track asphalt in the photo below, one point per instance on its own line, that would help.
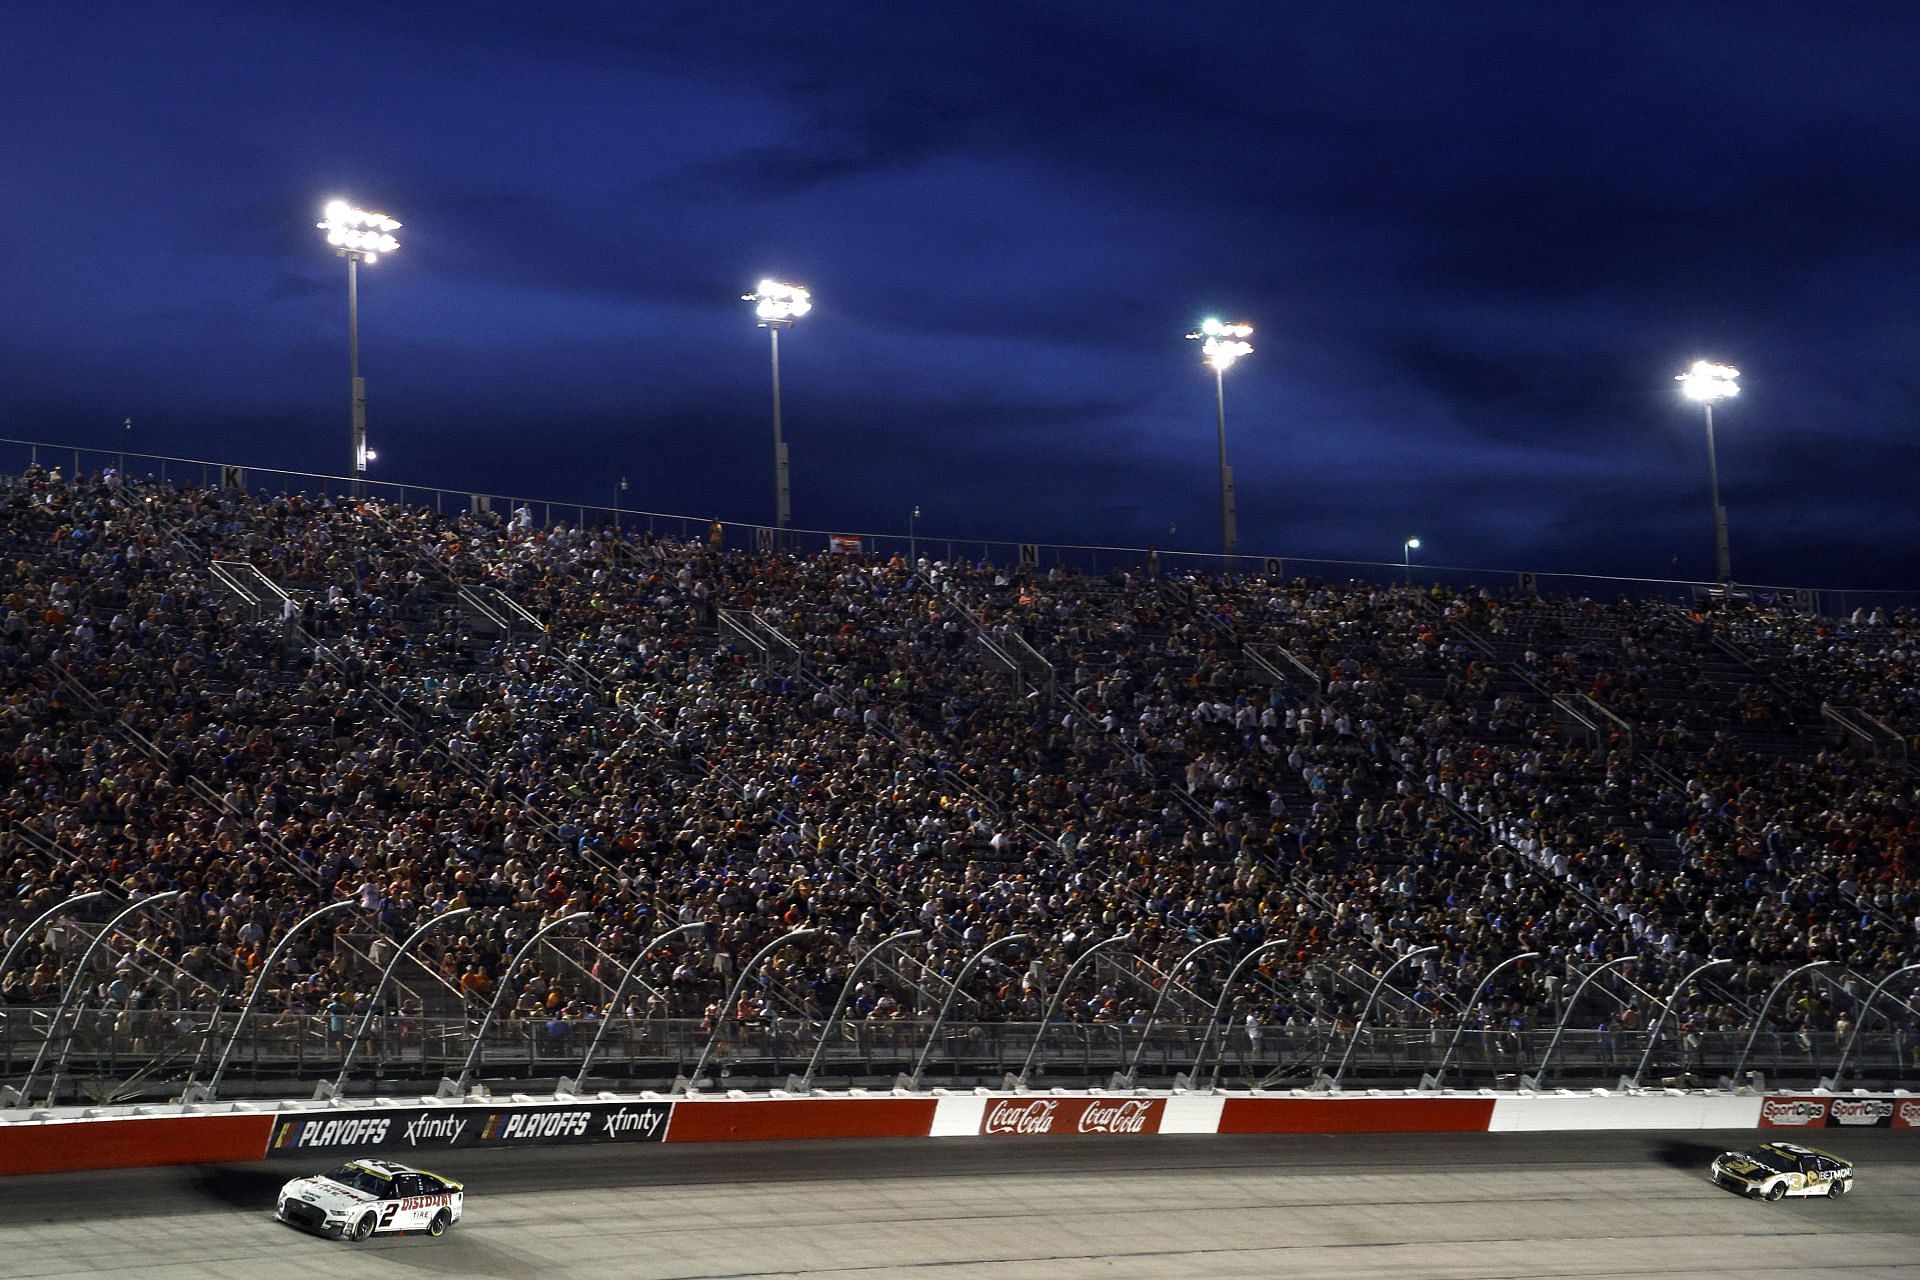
(1398, 1207)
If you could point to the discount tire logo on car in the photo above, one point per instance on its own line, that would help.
(1033, 1117)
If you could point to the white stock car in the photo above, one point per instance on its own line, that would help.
(1775, 1169)
(362, 1197)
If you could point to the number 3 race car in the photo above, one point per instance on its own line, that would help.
(1776, 1169)
(364, 1196)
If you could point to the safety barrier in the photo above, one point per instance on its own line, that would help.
(103, 1138)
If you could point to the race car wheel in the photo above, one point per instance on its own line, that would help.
(438, 1227)
(363, 1228)
(1775, 1191)
(1836, 1189)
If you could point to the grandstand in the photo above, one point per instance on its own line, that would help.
(942, 817)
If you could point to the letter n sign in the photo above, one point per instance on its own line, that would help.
(1029, 555)
(233, 479)
(763, 539)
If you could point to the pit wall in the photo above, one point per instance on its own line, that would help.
(412, 1130)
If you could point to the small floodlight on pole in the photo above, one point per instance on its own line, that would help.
(357, 235)
(1220, 345)
(775, 307)
(1407, 549)
(913, 519)
(1708, 383)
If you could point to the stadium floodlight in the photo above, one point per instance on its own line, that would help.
(1707, 383)
(1407, 549)
(358, 235)
(776, 307)
(1222, 343)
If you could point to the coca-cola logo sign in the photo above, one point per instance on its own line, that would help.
(1862, 1111)
(1781, 1113)
(1033, 1117)
(1906, 1115)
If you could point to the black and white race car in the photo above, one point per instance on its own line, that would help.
(363, 1197)
(1775, 1169)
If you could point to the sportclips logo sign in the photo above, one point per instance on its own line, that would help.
(1793, 1113)
(586, 1122)
(1906, 1114)
(1033, 1116)
(444, 1127)
(1874, 1112)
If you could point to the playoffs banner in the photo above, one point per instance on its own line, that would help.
(397, 1131)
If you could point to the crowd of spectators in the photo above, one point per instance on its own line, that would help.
(764, 741)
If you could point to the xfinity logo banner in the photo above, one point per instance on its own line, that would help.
(396, 1130)
(582, 1122)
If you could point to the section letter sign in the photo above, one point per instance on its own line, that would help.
(1028, 1117)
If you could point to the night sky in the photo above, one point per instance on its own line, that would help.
(1477, 241)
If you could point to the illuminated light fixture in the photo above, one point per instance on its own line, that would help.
(777, 306)
(358, 231)
(1707, 382)
(1222, 343)
(777, 303)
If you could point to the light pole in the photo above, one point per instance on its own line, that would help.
(1708, 383)
(1222, 344)
(913, 557)
(777, 306)
(1407, 549)
(358, 235)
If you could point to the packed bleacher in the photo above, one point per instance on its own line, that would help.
(764, 741)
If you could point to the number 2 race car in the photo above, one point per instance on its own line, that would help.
(1776, 1169)
(362, 1197)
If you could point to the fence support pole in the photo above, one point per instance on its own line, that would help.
(1760, 1019)
(688, 1084)
(331, 1093)
(1360, 1024)
(1539, 1079)
(457, 1088)
(933, 1032)
(577, 1083)
(805, 1083)
(1438, 1079)
(1053, 1006)
(1660, 1022)
(1213, 1018)
(1153, 1015)
(1833, 1082)
(211, 1090)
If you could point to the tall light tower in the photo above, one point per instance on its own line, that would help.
(1221, 345)
(1407, 549)
(1708, 383)
(358, 235)
(777, 306)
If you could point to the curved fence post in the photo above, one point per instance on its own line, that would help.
(57, 909)
(1665, 1008)
(1833, 1082)
(457, 1088)
(1539, 1079)
(805, 1083)
(1360, 1024)
(79, 977)
(331, 1093)
(1153, 1015)
(1760, 1019)
(1219, 1007)
(953, 989)
(1438, 1079)
(1053, 1005)
(577, 1083)
(211, 1091)
(687, 1084)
